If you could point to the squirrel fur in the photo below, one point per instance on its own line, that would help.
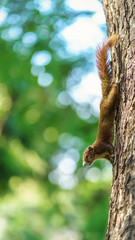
(102, 147)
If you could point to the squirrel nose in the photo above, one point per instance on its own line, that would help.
(84, 164)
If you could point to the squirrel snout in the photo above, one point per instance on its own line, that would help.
(84, 164)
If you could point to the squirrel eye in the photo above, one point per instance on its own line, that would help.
(87, 156)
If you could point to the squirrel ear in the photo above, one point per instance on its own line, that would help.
(90, 149)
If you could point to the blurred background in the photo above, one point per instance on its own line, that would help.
(49, 108)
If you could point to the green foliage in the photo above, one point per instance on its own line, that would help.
(37, 132)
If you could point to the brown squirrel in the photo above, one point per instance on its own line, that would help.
(102, 147)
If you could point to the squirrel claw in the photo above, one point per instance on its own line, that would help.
(112, 159)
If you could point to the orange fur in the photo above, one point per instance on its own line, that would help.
(102, 147)
(103, 64)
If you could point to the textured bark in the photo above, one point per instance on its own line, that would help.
(120, 16)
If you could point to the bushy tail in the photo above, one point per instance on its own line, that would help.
(103, 63)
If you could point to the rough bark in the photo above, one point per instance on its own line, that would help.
(120, 17)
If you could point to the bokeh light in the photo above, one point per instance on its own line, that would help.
(82, 34)
(41, 58)
(85, 5)
(45, 79)
(32, 116)
(44, 5)
(3, 14)
(50, 134)
(49, 103)
(12, 33)
(29, 38)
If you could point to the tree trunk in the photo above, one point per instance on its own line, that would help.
(120, 17)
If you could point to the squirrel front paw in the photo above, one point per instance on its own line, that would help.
(112, 159)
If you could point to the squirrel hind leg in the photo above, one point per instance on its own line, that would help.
(109, 148)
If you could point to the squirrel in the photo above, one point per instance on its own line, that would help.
(102, 147)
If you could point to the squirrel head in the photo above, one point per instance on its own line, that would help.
(88, 156)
